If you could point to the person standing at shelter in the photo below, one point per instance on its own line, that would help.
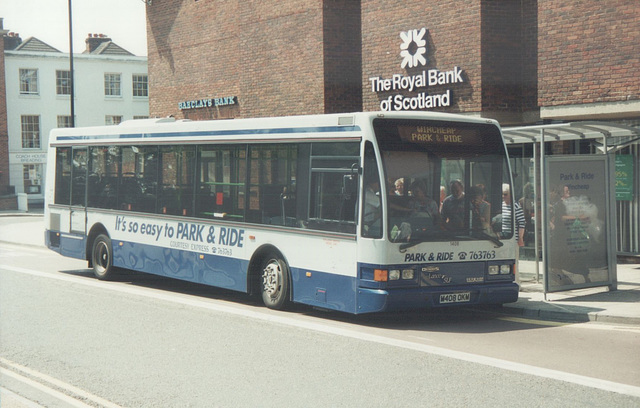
(528, 208)
(506, 221)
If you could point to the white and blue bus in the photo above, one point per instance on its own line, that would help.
(344, 212)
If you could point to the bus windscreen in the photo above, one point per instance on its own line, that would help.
(444, 180)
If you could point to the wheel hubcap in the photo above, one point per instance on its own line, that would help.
(102, 256)
(271, 276)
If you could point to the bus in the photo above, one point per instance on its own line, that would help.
(359, 213)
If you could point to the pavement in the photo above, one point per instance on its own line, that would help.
(621, 306)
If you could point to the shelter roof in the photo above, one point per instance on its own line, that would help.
(615, 135)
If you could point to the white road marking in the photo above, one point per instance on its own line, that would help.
(300, 322)
(590, 325)
(15, 369)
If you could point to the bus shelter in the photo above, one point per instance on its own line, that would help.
(578, 185)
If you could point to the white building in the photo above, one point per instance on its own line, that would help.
(110, 86)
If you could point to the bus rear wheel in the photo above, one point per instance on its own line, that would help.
(275, 283)
(102, 258)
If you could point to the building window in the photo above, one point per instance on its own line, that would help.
(112, 85)
(28, 81)
(112, 120)
(64, 121)
(32, 178)
(140, 85)
(30, 131)
(135, 117)
(63, 83)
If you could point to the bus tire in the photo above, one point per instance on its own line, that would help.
(275, 282)
(102, 258)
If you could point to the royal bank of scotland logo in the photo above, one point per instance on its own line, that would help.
(413, 48)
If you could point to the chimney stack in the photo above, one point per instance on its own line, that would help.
(12, 41)
(93, 41)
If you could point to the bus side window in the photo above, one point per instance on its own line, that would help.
(272, 175)
(220, 191)
(137, 190)
(79, 177)
(332, 193)
(63, 176)
(177, 166)
(103, 177)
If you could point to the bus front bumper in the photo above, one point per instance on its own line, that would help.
(378, 300)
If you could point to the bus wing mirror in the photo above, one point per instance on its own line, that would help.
(350, 181)
(349, 184)
(356, 170)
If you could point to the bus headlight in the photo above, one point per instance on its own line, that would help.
(494, 269)
(408, 274)
(505, 269)
(404, 274)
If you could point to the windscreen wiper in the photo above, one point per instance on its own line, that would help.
(483, 235)
(404, 246)
(492, 238)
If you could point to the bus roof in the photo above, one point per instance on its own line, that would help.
(169, 130)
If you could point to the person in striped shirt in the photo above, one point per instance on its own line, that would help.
(506, 223)
(506, 215)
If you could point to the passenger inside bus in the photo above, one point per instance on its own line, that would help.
(421, 204)
(453, 207)
(413, 214)
(480, 208)
(372, 207)
(398, 186)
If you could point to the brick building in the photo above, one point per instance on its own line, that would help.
(290, 57)
(588, 60)
(517, 61)
(522, 62)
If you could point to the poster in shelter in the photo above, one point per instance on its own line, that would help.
(576, 235)
(624, 177)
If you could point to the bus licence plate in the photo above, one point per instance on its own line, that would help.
(455, 297)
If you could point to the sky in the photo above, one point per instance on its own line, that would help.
(48, 20)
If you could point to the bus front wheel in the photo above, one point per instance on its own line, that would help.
(102, 257)
(275, 283)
